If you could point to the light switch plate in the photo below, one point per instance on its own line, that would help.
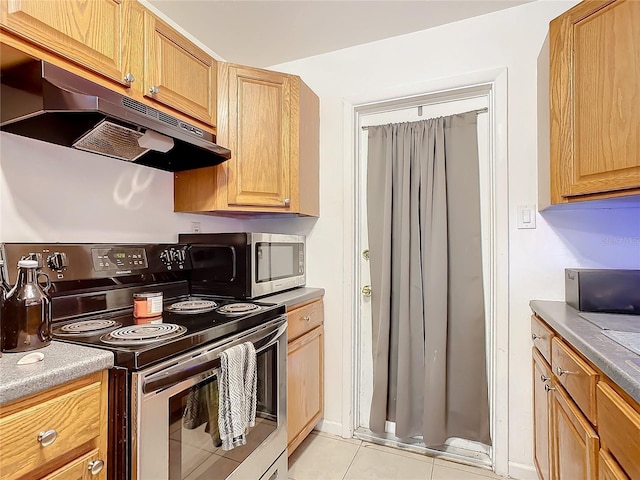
(526, 216)
(195, 227)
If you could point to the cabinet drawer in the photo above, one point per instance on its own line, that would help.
(74, 416)
(77, 469)
(619, 429)
(304, 319)
(578, 378)
(541, 336)
(608, 468)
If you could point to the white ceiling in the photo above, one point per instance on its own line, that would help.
(266, 33)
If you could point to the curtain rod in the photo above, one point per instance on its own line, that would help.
(479, 110)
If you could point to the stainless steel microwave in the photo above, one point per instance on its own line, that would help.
(245, 265)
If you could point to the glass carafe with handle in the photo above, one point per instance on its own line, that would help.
(26, 311)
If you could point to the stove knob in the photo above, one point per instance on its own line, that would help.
(165, 257)
(58, 261)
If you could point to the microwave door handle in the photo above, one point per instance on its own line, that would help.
(181, 372)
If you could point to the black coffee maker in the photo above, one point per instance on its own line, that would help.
(25, 310)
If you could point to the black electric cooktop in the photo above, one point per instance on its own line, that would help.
(150, 340)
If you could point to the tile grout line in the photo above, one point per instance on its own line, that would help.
(351, 462)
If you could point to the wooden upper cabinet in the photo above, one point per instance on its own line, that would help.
(594, 98)
(259, 137)
(91, 33)
(177, 73)
(270, 122)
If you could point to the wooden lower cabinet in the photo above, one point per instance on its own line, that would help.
(619, 428)
(305, 374)
(541, 416)
(575, 441)
(585, 426)
(60, 433)
(608, 468)
(79, 469)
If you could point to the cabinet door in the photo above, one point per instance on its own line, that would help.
(259, 137)
(91, 33)
(595, 87)
(575, 442)
(541, 417)
(177, 73)
(619, 428)
(80, 469)
(304, 386)
(608, 468)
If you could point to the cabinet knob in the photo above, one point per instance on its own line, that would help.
(129, 78)
(560, 371)
(287, 201)
(95, 467)
(544, 378)
(548, 388)
(153, 90)
(535, 337)
(46, 438)
(366, 290)
(307, 318)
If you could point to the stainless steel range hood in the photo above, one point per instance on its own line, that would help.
(45, 102)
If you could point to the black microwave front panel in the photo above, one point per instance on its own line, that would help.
(221, 266)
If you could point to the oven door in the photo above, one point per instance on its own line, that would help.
(172, 413)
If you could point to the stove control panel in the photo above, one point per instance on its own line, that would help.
(174, 257)
(81, 261)
(120, 259)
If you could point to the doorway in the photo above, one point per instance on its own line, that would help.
(479, 97)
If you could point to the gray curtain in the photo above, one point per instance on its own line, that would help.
(429, 353)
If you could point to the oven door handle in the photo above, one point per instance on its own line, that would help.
(189, 369)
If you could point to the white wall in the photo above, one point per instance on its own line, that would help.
(50, 193)
(564, 238)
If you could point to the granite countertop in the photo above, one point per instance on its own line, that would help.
(62, 363)
(617, 362)
(294, 297)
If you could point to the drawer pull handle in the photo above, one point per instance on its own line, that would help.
(548, 388)
(47, 438)
(544, 378)
(95, 467)
(561, 372)
(307, 318)
(535, 337)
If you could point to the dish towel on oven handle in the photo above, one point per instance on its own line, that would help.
(237, 387)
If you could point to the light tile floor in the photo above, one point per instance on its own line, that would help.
(326, 457)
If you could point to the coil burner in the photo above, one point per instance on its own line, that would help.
(192, 306)
(239, 308)
(143, 334)
(87, 327)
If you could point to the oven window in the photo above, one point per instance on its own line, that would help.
(277, 260)
(194, 452)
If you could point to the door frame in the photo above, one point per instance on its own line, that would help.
(494, 81)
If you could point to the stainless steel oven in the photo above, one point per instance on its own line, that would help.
(167, 447)
(163, 362)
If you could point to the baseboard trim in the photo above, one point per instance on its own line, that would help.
(327, 426)
(521, 471)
